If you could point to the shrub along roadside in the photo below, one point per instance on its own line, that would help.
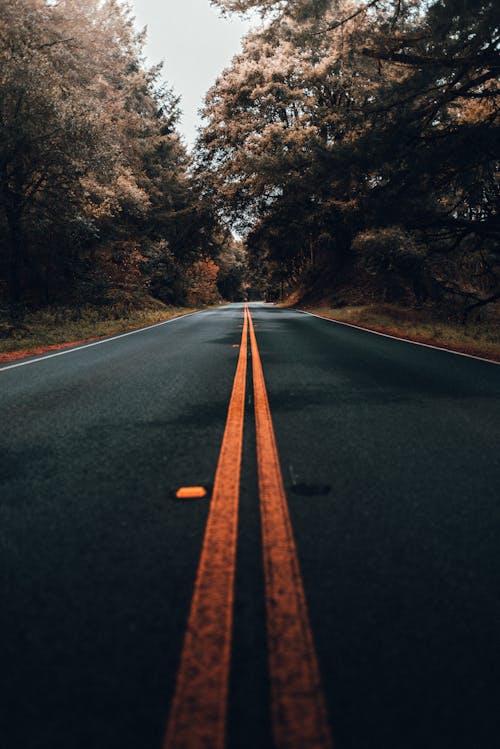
(60, 327)
(480, 338)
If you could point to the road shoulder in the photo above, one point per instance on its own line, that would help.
(476, 341)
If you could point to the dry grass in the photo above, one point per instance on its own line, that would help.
(56, 328)
(477, 338)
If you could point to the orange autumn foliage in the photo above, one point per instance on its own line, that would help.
(201, 283)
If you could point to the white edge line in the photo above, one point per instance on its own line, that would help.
(396, 338)
(98, 343)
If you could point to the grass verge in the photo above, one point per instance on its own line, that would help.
(58, 328)
(476, 338)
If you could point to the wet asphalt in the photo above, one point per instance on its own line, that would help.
(390, 456)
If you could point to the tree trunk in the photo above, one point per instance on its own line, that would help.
(15, 266)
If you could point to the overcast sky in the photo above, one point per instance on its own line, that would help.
(196, 45)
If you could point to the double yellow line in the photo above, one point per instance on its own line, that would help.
(198, 714)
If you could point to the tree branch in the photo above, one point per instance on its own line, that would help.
(52, 44)
(480, 303)
(491, 61)
(356, 13)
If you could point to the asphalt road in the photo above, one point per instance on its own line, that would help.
(391, 463)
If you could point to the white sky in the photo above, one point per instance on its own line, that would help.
(196, 44)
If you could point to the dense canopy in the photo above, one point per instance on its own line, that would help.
(353, 144)
(97, 201)
(362, 137)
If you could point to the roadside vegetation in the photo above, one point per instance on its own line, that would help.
(480, 338)
(53, 327)
(355, 144)
(351, 147)
(99, 207)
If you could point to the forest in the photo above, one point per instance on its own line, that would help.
(357, 145)
(350, 149)
(99, 203)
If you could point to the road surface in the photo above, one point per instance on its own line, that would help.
(389, 458)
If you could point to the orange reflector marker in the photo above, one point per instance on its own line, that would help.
(191, 492)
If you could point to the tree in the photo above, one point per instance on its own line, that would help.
(232, 261)
(95, 183)
(343, 118)
(62, 162)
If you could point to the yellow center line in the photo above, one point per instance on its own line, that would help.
(198, 712)
(298, 706)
